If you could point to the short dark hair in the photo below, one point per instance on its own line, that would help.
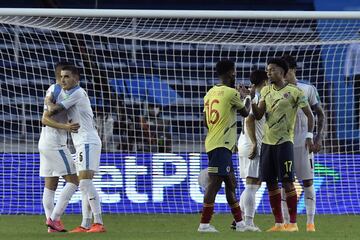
(291, 61)
(61, 64)
(224, 66)
(279, 62)
(258, 76)
(72, 69)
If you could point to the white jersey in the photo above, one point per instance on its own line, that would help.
(301, 125)
(244, 142)
(53, 138)
(79, 110)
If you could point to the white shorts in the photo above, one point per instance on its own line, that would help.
(303, 163)
(88, 157)
(56, 163)
(249, 167)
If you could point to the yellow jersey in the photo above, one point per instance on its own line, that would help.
(220, 105)
(280, 114)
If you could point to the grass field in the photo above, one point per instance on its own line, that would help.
(175, 227)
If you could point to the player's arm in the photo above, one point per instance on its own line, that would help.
(246, 109)
(310, 117)
(319, 111)
(250, 128)
(48, 121)
(53, 108)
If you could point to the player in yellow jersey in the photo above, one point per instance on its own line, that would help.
(279, 102)
(220, 106)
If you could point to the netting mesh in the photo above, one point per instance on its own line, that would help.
(146, 78)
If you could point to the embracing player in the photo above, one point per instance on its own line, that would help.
(55, 157)
(86, 141)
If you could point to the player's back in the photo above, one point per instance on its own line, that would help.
(80, 111)
(220, 105)
(50, 137)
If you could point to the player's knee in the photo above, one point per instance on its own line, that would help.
(72, 179)
(308, 183)
(288, 186)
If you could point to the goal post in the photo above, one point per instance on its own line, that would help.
(146, 73)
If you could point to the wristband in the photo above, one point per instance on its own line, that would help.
(309, 135)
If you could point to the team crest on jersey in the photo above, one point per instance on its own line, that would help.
(228, 169)
(286, 95)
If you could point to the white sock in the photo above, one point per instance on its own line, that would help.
(66, 193)
(48, 201)
(94, 200)
(310, 203)
(249, 203)
(86, 211)
(284, 207)
(242, 206)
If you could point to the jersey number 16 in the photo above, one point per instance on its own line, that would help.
(213, 115)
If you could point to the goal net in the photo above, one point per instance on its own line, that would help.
(146, 73)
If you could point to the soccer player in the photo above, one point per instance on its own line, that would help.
(86, 141)
(303, 159)
(221, 103)
(249, 146)
(279, 102)
(55, 157)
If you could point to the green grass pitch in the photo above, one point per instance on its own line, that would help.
(173, 227)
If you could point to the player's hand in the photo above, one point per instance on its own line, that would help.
(243, 91)
(73, 127)
(253, 152)
(309, 145)
(317, 144)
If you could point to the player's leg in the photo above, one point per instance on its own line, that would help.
(89, 157)
(310, 204)
(66, 193)
(64, 166)
(208, 205)
(215, 180)
(51, 184)
(285, 159)
(249, 194)
(304, 168)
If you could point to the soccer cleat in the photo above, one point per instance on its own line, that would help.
(79, 229)
(310, 227)
(278, 227)
(96, 228)
(242, 227)
(292, 227)
(55, 225)
(207, 228)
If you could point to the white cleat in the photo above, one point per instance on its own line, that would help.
(253, 228)
(242, 227)
(207, 228)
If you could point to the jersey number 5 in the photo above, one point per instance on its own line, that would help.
(213, 115)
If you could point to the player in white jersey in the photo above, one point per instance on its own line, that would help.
(86, 141)
(303, 157)
(55, 158)
(249, 144)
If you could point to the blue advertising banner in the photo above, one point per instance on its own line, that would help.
(168, 183)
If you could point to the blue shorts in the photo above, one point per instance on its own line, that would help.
(220, 162)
